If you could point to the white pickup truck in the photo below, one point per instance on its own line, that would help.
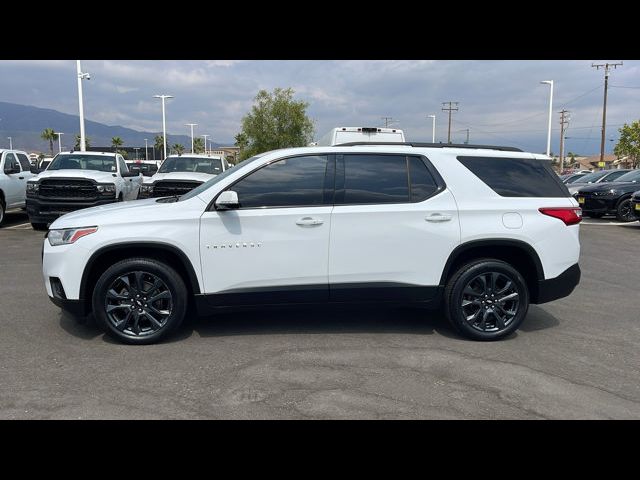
(76, 180)
(180, 174)
(15, 170)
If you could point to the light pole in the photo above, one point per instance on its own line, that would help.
(550, 83)
(81, 76)
(164, 121)
(59, 134)
(146, 150)
(433, 128)
(191, 125)
(10, 143)
(205, 143)
(136, 149)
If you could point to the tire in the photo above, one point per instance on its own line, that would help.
(496, 326)
(130, 318)
(624, 212)
(2, 210)
(39, 226)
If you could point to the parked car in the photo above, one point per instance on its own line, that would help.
(610, 197)
(482, 232)
(602, 176)
(147, 169)
(180, 174)
(571, 177)
(15, 171)
(76, 180)
(635, 204)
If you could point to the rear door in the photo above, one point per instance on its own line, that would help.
(393, 226)
(15, 185)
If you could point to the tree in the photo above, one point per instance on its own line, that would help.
(50, 135)
(87, 143)
(241, 143)
(179, 149)
(159, 144)
(115, 143)
(276, 121)
(198, 145)
(629, 143)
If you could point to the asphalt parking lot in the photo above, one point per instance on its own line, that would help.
(575, 358)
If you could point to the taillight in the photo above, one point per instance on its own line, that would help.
(569, 215)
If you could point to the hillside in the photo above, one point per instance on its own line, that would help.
(25, 123)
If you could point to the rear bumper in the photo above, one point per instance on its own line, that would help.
(559, 287)
(46, 211)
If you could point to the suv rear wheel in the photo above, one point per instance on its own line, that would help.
(486, 299)
(140, 300)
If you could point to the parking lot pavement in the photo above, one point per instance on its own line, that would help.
(574, 358)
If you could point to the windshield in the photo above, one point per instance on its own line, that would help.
(575, 178)
(211, 166)
(201, 188)
(632, 176)
(102, 163)
(592, 177)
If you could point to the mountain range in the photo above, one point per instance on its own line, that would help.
(25, 123)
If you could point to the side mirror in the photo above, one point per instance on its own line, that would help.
(10, 170)
(227, 200)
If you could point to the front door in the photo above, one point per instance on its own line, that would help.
(273, 248)
(393, 227)
(16, 185)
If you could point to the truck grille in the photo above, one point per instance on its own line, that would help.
(167, 189)
(67, 189)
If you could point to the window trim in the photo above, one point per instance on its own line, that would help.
(340, 179)
(326, 192)
(26, 157)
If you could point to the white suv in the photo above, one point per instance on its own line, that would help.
(482, 231)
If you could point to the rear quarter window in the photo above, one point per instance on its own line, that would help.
(516, 177)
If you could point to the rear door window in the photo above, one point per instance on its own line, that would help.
(516, 177)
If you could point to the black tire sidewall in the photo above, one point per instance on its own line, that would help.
(2, 212)
(465, 275)
(619, 216)
(167, 274)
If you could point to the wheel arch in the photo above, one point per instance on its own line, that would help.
(110, 254)
(521, 255)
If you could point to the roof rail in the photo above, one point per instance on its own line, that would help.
(433, 145)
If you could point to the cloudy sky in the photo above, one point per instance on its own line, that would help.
(501, 102)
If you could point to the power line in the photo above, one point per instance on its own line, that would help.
(621, 86)
(449, 109)
(387, 120)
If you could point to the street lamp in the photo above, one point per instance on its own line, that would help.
(146, 150)
(550, 83)
(205, 143)
(10, 143)
(164, 121)
(59, 134)
(81, 76)
(433, 129)
(191, 125)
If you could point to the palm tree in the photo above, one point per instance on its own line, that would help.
(87, 143)
(198, 145)
(179, 149)
(50, 135)
(115, 143)
(159, 144)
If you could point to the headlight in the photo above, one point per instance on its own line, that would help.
(32, 187)
(606, 193)
(106, 188)
(69, 235)
(146, 188)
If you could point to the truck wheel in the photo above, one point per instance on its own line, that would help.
(38, 226)
(486, 299)
(624, 212)
(139, 300)
(2, 209)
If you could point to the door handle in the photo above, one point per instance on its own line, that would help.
(439, 217)
(309, 222)
(20, 178)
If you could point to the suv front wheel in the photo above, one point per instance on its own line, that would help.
(486, 299)
(140, 300)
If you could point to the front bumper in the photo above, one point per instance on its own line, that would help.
(46, 211)
(635, 207)
(598, 204)
(559, 287)
(77, 308)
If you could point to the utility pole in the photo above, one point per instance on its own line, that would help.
(564, 120)
(606, 67)
(146, 150)
(466, 130)
(387, 120)
(449, 109)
